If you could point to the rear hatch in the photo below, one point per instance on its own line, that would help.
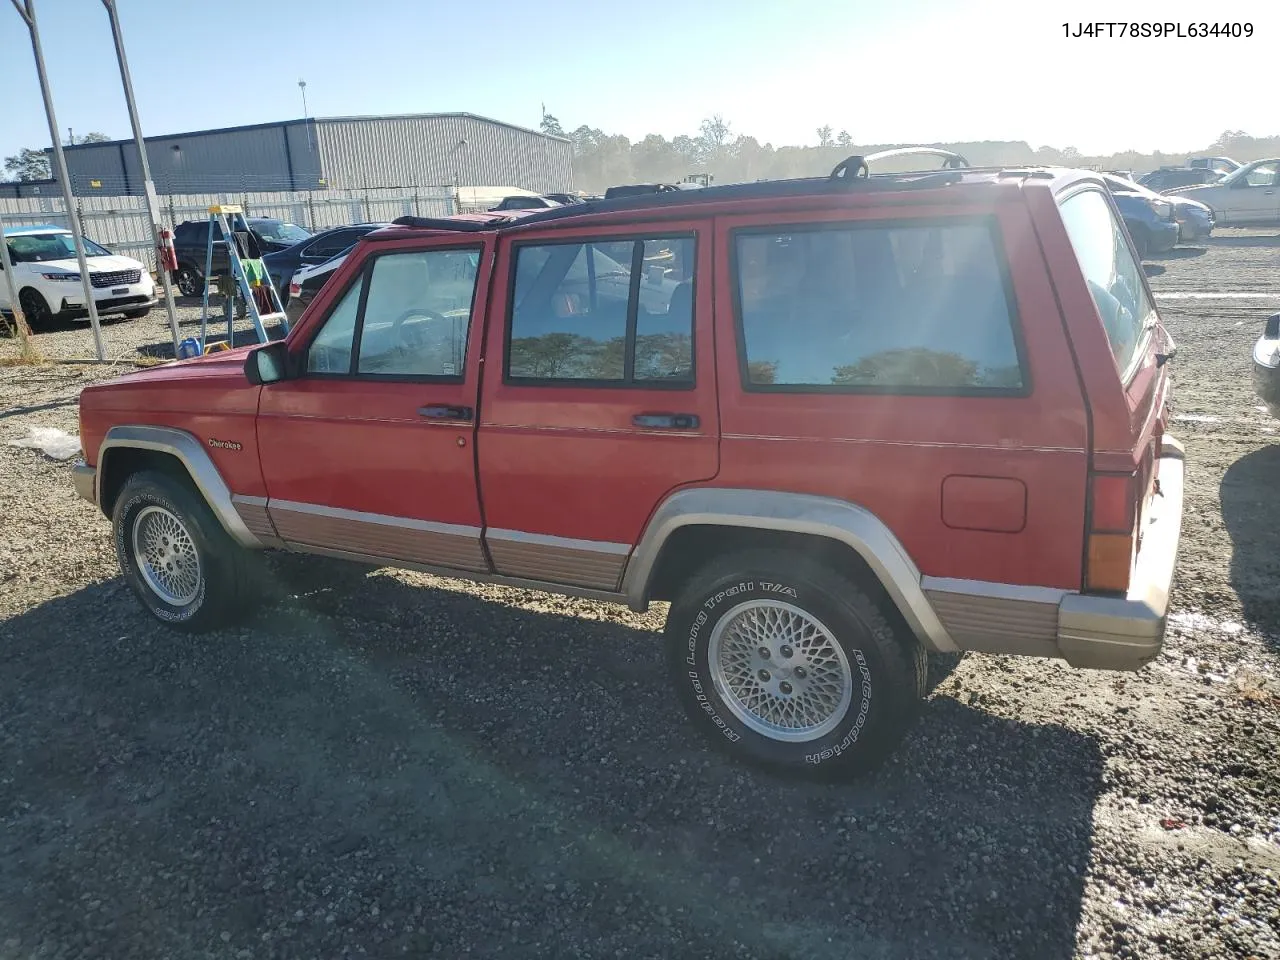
(1122, 352)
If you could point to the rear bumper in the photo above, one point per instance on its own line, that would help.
(1194, 228)
(1098, 632)
(84, 477)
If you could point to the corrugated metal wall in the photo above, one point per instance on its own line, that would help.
(279, 156)
(447, 148)
(357, 153)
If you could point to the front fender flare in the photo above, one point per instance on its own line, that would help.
(190, 452)
(847, 523)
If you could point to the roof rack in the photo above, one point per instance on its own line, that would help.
(443, 223)
(951, 160)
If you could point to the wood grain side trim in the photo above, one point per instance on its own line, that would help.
(449, 545)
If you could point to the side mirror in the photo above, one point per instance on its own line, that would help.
(267, 364)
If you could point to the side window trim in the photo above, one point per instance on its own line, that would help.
(992, 226)
(628, 381)
(365, 276)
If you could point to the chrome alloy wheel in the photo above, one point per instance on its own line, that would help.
(780, 671)
(166, 556)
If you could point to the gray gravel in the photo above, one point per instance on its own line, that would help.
(394, 764)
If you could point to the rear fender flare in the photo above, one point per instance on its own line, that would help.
(839, 520)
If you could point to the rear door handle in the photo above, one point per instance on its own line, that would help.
(445, 412)
(666, 421)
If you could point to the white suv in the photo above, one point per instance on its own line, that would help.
(47, 277)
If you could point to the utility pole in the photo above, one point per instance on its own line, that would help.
(27, 10)
(148, 188)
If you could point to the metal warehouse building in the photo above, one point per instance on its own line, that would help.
(338, 153)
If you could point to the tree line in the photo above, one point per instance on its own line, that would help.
(31, 163)
(602, 160)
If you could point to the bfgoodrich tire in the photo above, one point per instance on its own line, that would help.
(183, 567)
(791, 666)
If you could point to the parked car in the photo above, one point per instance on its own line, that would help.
(1147, 216)
(1194, 219)
(46, 274)
(1166, 178)
(1266, 365)
(851, 436)
(191, 240)
(563, 198)
(524, 202)
(1223, 165)
(639, 189)
(315, 250)
(307, 281)
(1249, 196)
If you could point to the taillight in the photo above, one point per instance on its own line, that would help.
(295, 289)
(1113, 518)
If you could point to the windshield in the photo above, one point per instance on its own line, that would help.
(38, 247)
(279, 230)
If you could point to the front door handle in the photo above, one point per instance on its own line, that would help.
(666, 421)
(445, 412)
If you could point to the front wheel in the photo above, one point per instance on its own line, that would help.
(787, 664)
(35, 308)
(184, 568)
(189, 281)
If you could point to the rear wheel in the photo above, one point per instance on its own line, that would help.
(35, 308)
(184, 568)
(790, 665)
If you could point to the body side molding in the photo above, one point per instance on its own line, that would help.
(827, 517)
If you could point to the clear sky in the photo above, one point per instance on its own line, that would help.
(887, 71)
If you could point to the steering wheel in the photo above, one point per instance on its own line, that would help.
(416, 340)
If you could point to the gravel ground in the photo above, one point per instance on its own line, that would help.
(395, 764)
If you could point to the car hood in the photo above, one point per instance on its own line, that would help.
(96, 264)
(222, 365)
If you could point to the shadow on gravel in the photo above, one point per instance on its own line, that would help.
(1178, 253)
(1250, 511)
(38, 407)
(1245, 241)
(389, 769)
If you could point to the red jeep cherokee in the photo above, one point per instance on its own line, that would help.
(838, 423)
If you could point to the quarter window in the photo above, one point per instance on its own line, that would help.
(913, 309)
(1112, 272)
(616, 311)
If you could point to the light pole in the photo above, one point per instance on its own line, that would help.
(27, 11)
(148, 188)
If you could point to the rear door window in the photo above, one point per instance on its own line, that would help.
(1113, 273)
(918, 308)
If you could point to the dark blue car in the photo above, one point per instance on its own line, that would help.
(317, 249)
(1148, 216)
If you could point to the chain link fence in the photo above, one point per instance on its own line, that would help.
(119, 223)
